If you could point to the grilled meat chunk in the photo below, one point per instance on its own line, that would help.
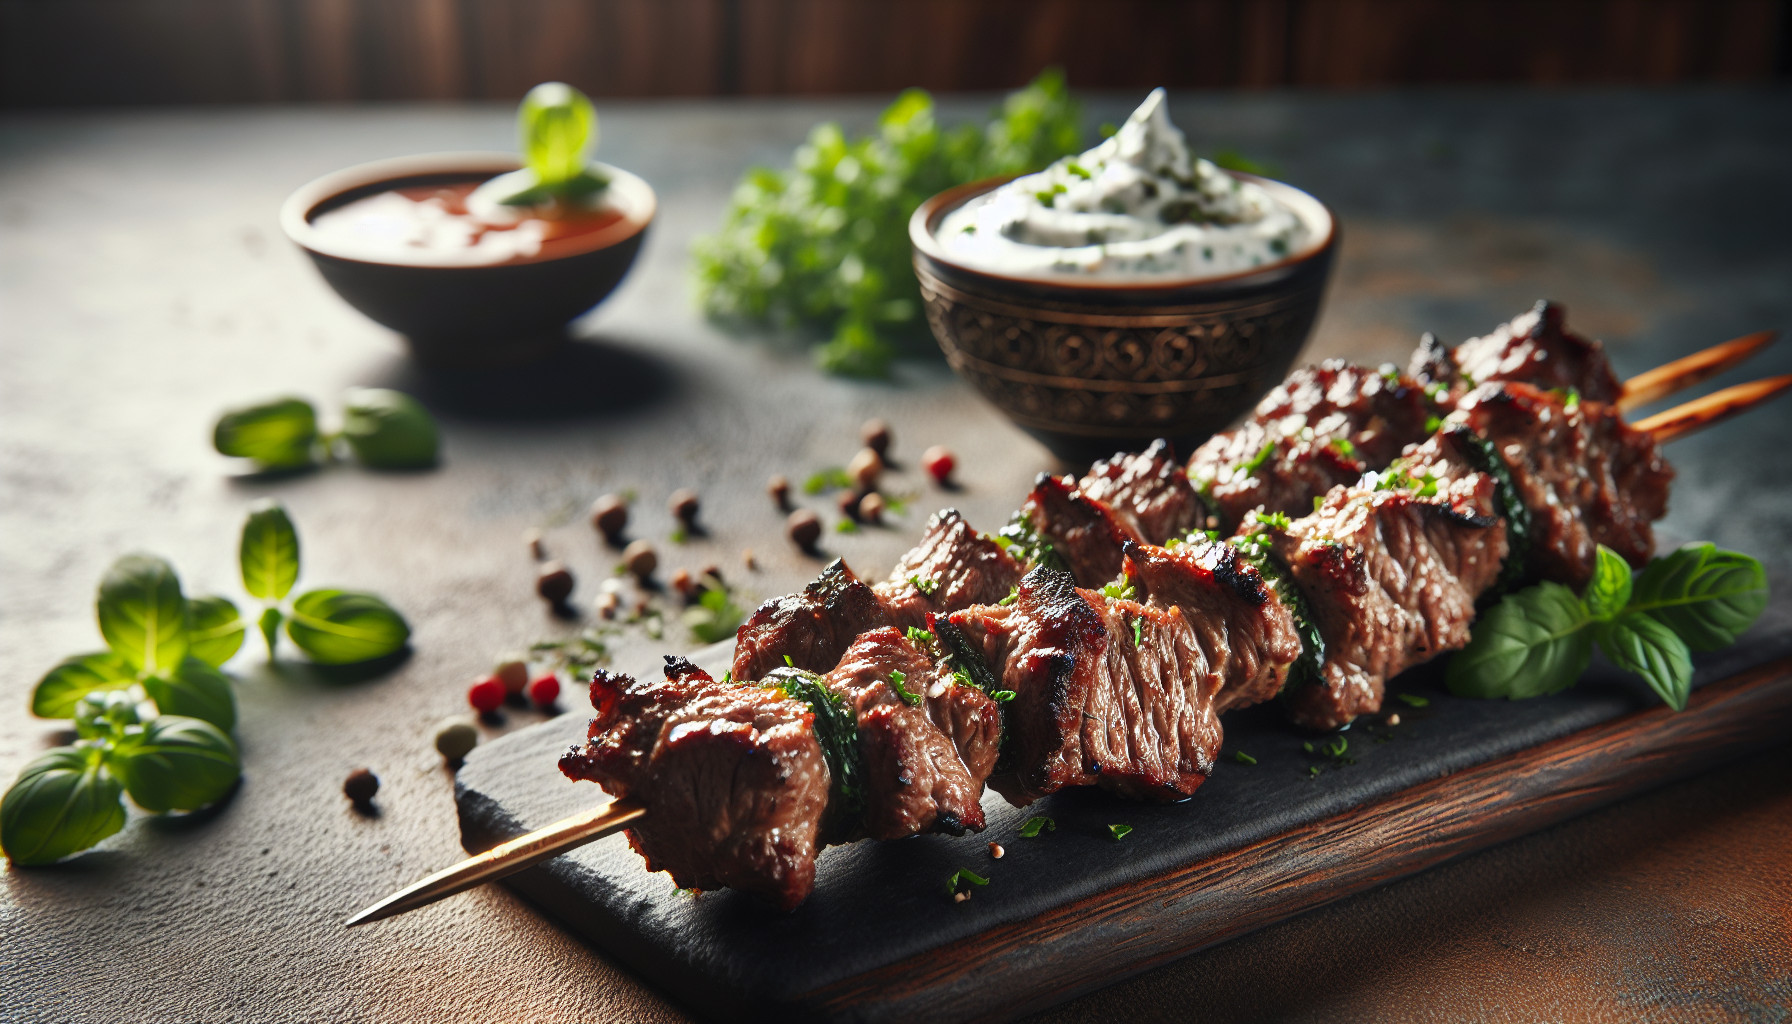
(1586, 476)
(1107, 692)
(959, 567)
(926, 762)
(1391, 580)
(812, 628)
(1085, 534)
(1535, 348)
(1148, 492)
(732, 775)
(1323, 427)
(1245, 633)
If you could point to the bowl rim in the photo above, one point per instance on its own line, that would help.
(926, 218)
(297, 210)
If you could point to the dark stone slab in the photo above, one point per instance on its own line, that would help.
(878, 903)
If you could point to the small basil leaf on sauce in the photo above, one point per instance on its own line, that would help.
(176, 764)
(388, 429)
(214, 629)
(1707, 595)
(1532, 643)
(62, 803)
(559, 131)
(269, 553)
(142, 613)
(278, 434)
(194, 690)
(57, 693)
(341, 627)
(1609, 590)
(1640, 644)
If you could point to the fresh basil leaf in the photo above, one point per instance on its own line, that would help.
(559, 131)
(388, 429)
(108, 714)
(1609, 590)
(194, 690)
(62, 803)
(1707, 595)
(176, 764)
(214, 629)
(142, 613)
(340, 627)
(269, 552)
(1642, 645)
(62, 687)
(278, 434)
(1532, 643)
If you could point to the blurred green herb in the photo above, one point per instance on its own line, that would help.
(824, 243)
(384, 429)
(557, 129)
(333, 627)
(1037, 824)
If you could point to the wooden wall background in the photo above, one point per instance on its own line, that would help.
(57, 53)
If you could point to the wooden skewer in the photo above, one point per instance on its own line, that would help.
(1712, 409)
(590, 826)
(508, 858)
(1683, 373)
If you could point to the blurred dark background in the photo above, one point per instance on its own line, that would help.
(62, 53)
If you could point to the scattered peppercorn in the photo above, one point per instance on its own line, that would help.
(779, 489)
(865, 468)
(1394, 719)
(939, 464)
(554, 583)
(544, 691)
(514, 674)
(609, 514)
(804, 528)
(486, 694)
(456, 738)
(871, 508)
(640, 559)
(961, 897)
(607, 603)
(532, 541)
(683, 505)
(848, 502)
(360, 786)
(876, 435)
(996, 851)
(747, 559)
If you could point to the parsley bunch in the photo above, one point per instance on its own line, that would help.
(1539, 640)
(824, 243)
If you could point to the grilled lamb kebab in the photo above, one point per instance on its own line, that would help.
(1327, 425)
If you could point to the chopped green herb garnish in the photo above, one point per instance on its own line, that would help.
(1390, 373)
(926, 587)
(846, 526)
(1258, 460)
(1026, 545)
(835, 730)
(1433, 424)
(788, 662)
(960, 876)
(1308, 747)
(1343, 447)
(1273, 520)
(828, 479)
(1120, 590)
(1572, 402)
(1119, 832)
(1013, 596)
(1313, 771)
(1077, 169)
(917, 635)
(1137, 623)
(727, 677)
(1413, 700)
(1049, 196)
(1002, 696)
(679, 536)
(1037, 824)
(1337, 747)
(896, 680)
(1243, 758)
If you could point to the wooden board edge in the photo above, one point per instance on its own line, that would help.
(1015, 969)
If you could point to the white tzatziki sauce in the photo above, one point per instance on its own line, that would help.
(1136, 206)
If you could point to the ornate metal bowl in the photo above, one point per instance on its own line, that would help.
(1090, 368)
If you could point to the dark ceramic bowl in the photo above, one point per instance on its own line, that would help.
(469, 316)
(1091, 368)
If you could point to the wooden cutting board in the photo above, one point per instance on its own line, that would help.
(1073, 909)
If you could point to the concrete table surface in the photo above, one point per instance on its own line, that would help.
(144, 286)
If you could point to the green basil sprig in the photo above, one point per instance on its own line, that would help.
(557, 129)
(333, 627)
(384, 429)
(1539, 640)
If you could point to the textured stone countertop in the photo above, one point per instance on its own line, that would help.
(144, 286)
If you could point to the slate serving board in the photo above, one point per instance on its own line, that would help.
(1073, 910)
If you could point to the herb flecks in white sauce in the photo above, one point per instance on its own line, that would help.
(1138, 205)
